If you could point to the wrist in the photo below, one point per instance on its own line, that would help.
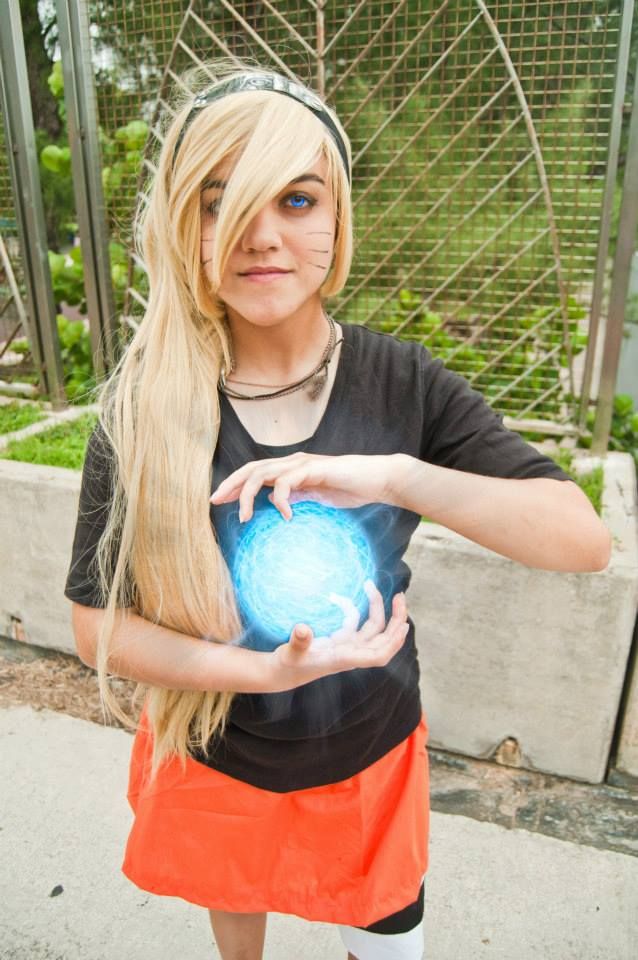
(237, 669)
(403, 476)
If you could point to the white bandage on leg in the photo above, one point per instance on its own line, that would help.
(383, 946)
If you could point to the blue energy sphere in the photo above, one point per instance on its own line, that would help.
(285, 570)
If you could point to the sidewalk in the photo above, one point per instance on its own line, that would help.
(491, 892)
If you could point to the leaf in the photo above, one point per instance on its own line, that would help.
(55, 80)
(51, 158)
(56, 264)
(623, 404)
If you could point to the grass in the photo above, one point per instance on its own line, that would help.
(65, 446)
(61, 446)
(16, 416)
(591, 482)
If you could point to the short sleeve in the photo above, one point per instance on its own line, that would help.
(462, 431)
(96, 494)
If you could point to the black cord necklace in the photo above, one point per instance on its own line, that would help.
(316, 379)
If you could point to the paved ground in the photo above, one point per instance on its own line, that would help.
(492, 892)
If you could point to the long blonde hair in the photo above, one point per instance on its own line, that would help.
(159, 408)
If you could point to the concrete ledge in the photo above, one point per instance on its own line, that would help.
(38, 509)
(524, 664)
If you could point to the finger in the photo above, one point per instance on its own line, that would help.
(301, 636)
(230, 488)
(351, 614)
(386, 645)
(390, 641)
(376, 612)
(399, 610)
(280, 497)
(293, 485)
(396, 620)
(251, 488)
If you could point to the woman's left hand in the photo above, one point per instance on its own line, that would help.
(346, 481)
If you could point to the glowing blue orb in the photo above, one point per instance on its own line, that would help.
(285, 570)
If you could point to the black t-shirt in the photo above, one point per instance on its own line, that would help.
(388, 396)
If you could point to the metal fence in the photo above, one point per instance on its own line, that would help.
(485, 143)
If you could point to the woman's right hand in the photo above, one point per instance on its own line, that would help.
(306, 657)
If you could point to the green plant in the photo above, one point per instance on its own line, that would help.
(15, 416)
(590, 481)
(77, 362)
(67, 278)
(483, 356)
(61, 446)
(623, 435)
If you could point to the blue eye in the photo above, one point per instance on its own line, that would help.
(299, 201)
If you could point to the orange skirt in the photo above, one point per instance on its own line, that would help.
(351, 852)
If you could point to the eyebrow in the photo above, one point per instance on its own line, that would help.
(221, 184)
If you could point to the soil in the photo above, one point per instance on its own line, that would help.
(58, 681)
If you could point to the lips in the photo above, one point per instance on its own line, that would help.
(258, 271)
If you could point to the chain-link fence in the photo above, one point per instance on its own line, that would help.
(11, 280)
(480, 134)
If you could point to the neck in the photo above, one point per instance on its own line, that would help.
(278, 352)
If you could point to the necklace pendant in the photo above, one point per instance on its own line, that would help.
(317, 384)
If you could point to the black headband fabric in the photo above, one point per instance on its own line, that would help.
(277, 84)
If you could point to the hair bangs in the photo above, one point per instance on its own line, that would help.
(285, 141)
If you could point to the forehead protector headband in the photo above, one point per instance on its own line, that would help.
(277, 84)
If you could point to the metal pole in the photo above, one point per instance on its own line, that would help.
(321, 46)
(25, 180)
(82, 120)
(627, 227)
(620, 86)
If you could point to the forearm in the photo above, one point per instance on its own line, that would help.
(541, 522)
(156, 655)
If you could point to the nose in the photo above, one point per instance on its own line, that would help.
(262, 233)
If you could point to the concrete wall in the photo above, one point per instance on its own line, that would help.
(524, 663)
(38, 509)
(527, 664)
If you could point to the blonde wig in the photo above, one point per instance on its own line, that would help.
(159, 408)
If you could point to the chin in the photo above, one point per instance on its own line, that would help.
(266, 315)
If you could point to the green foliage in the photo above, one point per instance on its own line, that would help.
(623, 435)
(591, 481)
(56, 159)
(15, 416)
(77, 362)
(67, 277)
(55, 81)
(57, 190)
(21, 346)
(122, 155)
(481, 358)
(61, 446)
(624, 426)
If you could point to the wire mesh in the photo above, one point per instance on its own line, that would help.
(10, 325)
(459, 246)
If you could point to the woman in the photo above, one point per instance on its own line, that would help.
(287, 777)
